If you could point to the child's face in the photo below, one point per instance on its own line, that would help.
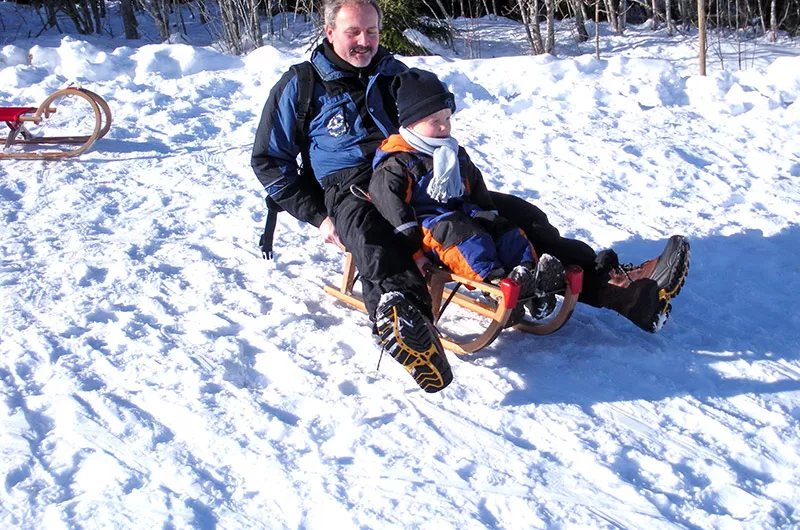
(436, 125)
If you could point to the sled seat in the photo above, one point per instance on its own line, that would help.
(17, 117)
(13, 115)
(501, 301)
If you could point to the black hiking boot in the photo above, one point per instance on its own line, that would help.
(409, 337)
(550, 278)
(669, 270)
(642, 302)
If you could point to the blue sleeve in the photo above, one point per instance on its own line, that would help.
(274, 158)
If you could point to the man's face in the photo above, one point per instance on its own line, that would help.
(355, 36)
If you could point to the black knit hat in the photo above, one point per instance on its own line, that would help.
(419, 94)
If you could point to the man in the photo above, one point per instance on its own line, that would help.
(353, 111)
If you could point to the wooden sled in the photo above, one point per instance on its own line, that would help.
(504, 296)
(96, 118)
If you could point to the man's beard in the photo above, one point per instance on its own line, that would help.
(360, 51)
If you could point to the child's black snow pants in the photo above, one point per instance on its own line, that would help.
(383, 262)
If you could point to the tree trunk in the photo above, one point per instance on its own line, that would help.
(202, 9)
(51, 11)
(96, 12)
(162, 20)
(285, 9)
(728, 11)
(535, 10)
(580, 22)
(255, 24)
(530, 17)
(550, 42)
(668, 15)
(129, 22)
(77, 19)
(179, 16)
(612, 15)
(270, 19)
(159, 12)
(230, 30)
(622, 18)
(761, 17)
(683, 7)
(773, 20)
(445, 13)
(584, 9)
(655, 15)
(597, 28)
(86, 15)
(701, 27)
(738, 35)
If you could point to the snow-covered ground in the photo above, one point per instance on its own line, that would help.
(157, 373)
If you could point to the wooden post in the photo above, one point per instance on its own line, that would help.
(701, 27)
(597, 28)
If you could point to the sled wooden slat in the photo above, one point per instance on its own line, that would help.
(19, 135)
(498, 315)
(348, 298)
(349, 276)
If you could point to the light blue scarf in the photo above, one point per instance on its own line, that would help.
(446, 183)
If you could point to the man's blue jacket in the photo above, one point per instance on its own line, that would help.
(348, 118)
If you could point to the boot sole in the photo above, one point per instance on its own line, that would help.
(411, 340)
(553, 280)
(682, 263)
(663, 313)
(554, 276)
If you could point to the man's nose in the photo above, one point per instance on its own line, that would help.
(361, 39)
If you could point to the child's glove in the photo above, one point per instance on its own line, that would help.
(486, 216)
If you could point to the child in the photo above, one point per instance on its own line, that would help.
(427, 187)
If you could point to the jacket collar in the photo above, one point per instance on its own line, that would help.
(396, 144)
(393, 144)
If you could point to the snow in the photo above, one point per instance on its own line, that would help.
(156, 372)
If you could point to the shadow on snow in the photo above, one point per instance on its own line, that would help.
(736, 311)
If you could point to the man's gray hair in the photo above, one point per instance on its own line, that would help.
(331, 9)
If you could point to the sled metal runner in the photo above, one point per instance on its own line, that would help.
(17, 117)
(504, 296)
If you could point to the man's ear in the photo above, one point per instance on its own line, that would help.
(329, 33)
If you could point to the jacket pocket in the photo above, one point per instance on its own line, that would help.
(338, 125)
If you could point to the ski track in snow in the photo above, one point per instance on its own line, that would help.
(156, 372)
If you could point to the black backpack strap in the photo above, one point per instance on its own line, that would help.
(305, 92)
(269, 229)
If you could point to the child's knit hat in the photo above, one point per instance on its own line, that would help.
(419, 94)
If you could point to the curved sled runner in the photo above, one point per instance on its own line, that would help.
(17, 117)
(503, 299)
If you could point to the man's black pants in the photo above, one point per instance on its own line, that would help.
(546, 239)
